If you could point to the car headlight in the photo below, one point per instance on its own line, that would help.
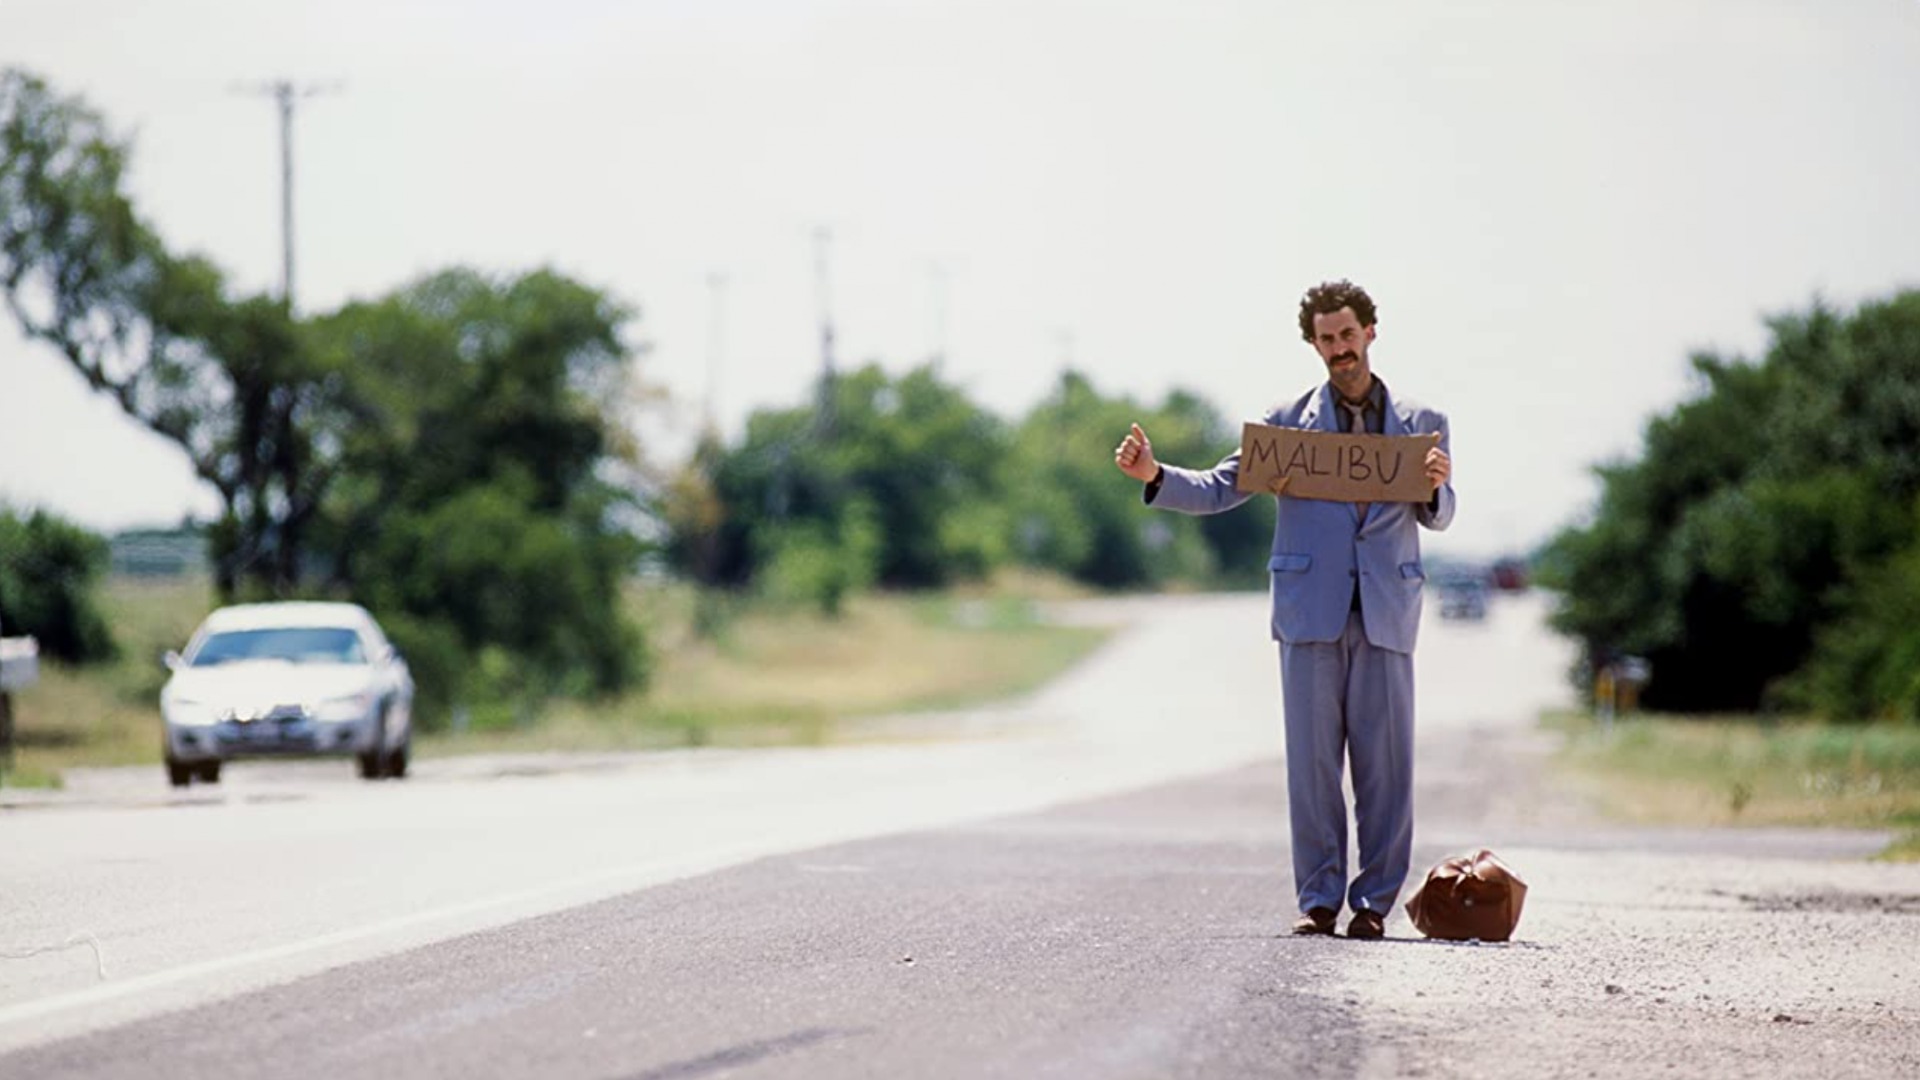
(352, 707)
(188, 713)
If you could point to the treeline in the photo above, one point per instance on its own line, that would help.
(460, 455)
(1764, 551)
(903, 482)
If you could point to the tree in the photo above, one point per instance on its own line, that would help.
(226, 379)
(898, 490)
(484, 496)
(918, 453)
(1754, 552)
(1073, 512)
(48, 570)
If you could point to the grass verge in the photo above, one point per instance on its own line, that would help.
(759, 675)
(771, 676)
(1746, 771)
(108, 713)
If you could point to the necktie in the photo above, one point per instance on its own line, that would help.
(1358, 426)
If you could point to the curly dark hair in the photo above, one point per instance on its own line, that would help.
(1329, 297)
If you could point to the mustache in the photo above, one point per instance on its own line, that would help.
(1349, 355)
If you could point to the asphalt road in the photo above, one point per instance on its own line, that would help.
(1091, 883)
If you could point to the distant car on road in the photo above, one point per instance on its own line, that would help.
(1510, 575)
(298, 679)
(1463, 597)
(19, 662)
(19, 669)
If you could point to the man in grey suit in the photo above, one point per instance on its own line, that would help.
(1346, 609)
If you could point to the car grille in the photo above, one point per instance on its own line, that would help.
(266, 714)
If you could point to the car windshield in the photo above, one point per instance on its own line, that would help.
(297, 644)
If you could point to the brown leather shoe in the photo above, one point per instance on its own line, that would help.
(1315, 921)
(1366, 925)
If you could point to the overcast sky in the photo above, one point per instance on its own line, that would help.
(1553, 205)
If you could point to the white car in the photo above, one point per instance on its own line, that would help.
(296, 679)
(19, 663)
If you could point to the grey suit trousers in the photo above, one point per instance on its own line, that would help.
(1349, 700)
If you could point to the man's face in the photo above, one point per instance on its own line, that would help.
(1342, 343)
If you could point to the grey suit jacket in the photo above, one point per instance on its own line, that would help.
(1321, 548)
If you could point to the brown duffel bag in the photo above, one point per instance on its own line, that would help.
(1467, 897)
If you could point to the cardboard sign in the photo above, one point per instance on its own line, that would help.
(1335, 466)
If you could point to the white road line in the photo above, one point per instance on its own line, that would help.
(15, 1020)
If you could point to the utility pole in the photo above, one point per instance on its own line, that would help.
(1063, 340)
(285, 93)
(937, 317)
(822, 239)
(716, 332)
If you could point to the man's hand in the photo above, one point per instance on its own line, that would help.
(1439, 465)
(1134, 456)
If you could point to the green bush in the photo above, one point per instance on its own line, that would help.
(483, 575)
(1866, 663)
(822, 564)
(438, 662)
(1759, 552)
(49, 569)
